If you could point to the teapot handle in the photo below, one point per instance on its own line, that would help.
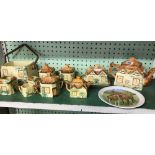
(112, 65)
(20, 88)
(21, 46)
(67, 86)
(61, 84)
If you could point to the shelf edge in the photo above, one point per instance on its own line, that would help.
(77, 108)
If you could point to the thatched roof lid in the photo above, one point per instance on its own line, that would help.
(67, 69)
(97, 69)
(132, 65)
(78, 82)
(50, 80)
(46, 69)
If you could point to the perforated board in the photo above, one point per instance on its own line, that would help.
(82, 54)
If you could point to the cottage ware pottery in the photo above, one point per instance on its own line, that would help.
(46, 71)
(131, 74)
(154, 67)
(20, 69)
(121, 97)
(8, 85)
(96, 75)
(27, 89)
(50, 86)
(35, 81)
(67, 73)
(77, 88)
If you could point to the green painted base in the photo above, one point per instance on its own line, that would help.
(92, 100)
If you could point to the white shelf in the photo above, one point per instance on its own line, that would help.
(77, 108)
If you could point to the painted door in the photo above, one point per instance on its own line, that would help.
(20, 73)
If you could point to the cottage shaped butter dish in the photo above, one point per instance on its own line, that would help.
(96, 75)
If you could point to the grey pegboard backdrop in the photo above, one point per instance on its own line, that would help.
(82, 54)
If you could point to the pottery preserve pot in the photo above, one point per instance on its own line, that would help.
(96, 75)
(27, 89)
(77, 88)
(46, 71)
(67, 73)
(131, 73)
(50, 86)
(20, 69)
(8, 85)
(30, 87)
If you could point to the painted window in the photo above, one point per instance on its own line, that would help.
(46, 90)
(3, 88)
(136, 81)
(103, 78)
(5, 72)
(120, 79)
(90, 78)
(74, 93)
(65, 77)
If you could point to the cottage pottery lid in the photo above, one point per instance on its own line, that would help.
(50, 80)
(46, 69)
(132, 65)
(97, 69)
(78, 82)
(67, 69)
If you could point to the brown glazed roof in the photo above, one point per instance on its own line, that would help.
(78, 82)
(46, 69)
(67, 69)
(131, 66)
(97, 69)
(50, 80)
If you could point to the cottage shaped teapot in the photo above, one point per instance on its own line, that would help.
(131, 74)
(77, 87)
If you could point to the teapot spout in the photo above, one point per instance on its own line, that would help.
(149, 76)
(113, 66)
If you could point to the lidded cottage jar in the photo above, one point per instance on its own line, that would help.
(50, 86)
(46, 71)
(8, 85)
(67, 73)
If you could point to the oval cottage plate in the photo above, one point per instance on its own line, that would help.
(121, 97)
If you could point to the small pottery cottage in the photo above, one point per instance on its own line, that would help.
(46, 71)
(96, 75)
(67, 73)
(19, 69)
(8, 85)
(30, 87)
(50, 86)
(77, 88)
